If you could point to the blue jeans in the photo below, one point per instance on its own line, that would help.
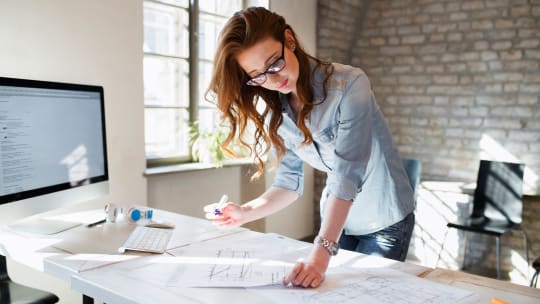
(391, 242)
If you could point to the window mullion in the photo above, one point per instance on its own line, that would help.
(193, 60)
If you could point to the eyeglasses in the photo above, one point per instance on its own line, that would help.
(276, 67)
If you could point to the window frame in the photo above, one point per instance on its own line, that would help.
(193, 61)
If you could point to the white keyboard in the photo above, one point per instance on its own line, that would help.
(147, 239)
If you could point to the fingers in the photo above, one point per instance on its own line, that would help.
(212, 212)
(316, 282)
(304, 275)
(210, 207)
(225, 223)
(294, 272)
(224, 217)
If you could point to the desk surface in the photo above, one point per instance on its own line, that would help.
(94, 268)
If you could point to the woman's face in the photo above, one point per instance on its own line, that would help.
(263, 58)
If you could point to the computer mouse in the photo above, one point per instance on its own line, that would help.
(163, 225)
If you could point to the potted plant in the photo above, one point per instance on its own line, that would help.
(206, 145)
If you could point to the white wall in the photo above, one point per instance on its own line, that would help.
(301, 15)
(91, 42)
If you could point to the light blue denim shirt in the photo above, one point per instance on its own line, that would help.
(352, 144)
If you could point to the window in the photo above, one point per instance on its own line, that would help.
(177, 69)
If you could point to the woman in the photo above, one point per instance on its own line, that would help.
(321, 113)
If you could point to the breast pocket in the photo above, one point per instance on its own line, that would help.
(325, 142)
(327, 136)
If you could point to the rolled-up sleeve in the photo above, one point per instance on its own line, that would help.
(353, 139)
(290, 173)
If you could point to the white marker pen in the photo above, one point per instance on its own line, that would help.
(221, 204)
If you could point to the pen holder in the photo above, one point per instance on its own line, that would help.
(113, 212)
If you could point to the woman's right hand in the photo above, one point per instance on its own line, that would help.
(230, 215)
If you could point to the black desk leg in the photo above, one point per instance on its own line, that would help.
(87, 300)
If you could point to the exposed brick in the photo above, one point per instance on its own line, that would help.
(528, 100)
(493, 88)
(455, 37)
(445, 79)
(532, 54)
(448, 74)
(496, 3)
(488, 55)
(495, 100)
(513, 112)
(508, 77)
(477, 66)
(529, 88)
(511, 87)
(472, 5)
(495, 65)
(525, 22)
(458, 16)
(520, 11)
(536, 11)
(414, 39)
(528, 44)
(396, 50)
(482, 25)
(501, 45)
(504, 23)
(436, 8)
(503, 123)
(474, 36)
(439, 68)
(468, 56)
(502, 35)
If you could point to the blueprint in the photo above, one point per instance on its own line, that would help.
(375, 285)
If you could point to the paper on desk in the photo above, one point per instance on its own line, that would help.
(230, 261)
(374, 285)
(224, 263)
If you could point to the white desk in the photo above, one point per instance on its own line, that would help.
(132, 278)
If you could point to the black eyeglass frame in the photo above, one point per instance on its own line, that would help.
(273, 68)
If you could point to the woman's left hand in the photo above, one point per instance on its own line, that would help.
(309, 274)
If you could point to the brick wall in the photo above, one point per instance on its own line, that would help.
(458, 81)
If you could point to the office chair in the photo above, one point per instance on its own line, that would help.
(536, 266)
(497, 203)
(11, 292)
(413, 167)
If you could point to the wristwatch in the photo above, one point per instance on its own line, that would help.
(331, 247)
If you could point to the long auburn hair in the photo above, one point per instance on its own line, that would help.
(237, 101)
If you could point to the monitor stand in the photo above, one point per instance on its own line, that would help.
(42, 226)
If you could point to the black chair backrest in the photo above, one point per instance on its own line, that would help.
(499, 191)
(3, 269)
(413, 167)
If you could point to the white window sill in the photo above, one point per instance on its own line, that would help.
(195, 167)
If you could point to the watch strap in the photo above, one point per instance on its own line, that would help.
(330, 246)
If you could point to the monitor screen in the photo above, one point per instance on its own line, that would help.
(52, 138)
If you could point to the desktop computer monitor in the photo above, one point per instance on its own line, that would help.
(53, 150)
